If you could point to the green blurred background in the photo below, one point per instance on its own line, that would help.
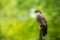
(17, 21)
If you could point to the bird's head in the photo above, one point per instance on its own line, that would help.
(38, 12)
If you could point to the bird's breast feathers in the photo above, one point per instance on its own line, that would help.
(41, 20)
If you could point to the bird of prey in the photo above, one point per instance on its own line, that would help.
(42, 22)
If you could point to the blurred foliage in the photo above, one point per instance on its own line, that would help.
(16, 23)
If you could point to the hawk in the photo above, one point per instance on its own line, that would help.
(42, 22)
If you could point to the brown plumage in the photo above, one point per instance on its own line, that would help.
(42, 22)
